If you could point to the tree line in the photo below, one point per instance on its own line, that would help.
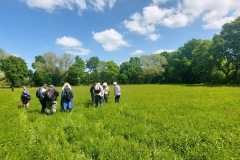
(197, 61)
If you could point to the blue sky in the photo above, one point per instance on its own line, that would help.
(110, 29)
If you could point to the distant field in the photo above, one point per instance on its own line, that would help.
(151, 122)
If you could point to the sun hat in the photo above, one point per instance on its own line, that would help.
(114, 83)
(104, 84)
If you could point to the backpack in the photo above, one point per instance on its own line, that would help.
(26, 95)
(50, 94)
(97, 89)
(39, 93)
(68, 94)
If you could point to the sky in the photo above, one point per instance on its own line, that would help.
(109, 29)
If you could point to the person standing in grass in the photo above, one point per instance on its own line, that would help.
(51, 99)
(92, 93)
(117, 92)
(40, 96)
(12, 88)
(25, 98)
(98, 91)
(106, 91)
(67, 97)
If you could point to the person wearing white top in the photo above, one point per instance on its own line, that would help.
(117, 92)
(106, 91)
(98, 91)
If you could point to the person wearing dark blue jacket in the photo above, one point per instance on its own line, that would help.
(67, 97)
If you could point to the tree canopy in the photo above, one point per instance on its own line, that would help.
(197, 61)
(14, 68)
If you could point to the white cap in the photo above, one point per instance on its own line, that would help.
(104, 84)
(114, 83)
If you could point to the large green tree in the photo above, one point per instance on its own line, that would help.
(3, 55)
(123, 73)
(134, 72)
(40, 63)
(202, 62)
(180, 63)
(41, 77)
(93, 67)
(55, 67)
(76, 72)
(14, 68)
(153, 67)
(226, 49)
(110, 72)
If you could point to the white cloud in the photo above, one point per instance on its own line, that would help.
(159, 1)
(152, 17)
(68, 42)
(214, 13)
(72, 46)
(153, 37)
(110, 39)
(51, 5)
(137, 52)
(77, 51)
(80, 5)
(99, 5)
(163, 50)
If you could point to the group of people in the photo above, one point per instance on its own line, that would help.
(100, 93)
(48, 96)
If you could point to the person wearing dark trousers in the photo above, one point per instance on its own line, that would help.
(92, 93)
(12, 88)
(117, 92)
(98, 91)
(41, 97)
(51, 100)
(106, 92)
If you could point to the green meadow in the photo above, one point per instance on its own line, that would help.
(151, 122)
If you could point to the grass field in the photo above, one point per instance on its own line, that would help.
(151, 122)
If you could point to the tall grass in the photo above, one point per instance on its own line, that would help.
(151, 122)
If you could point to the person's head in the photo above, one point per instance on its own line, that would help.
(66, 85)
(24, 88)
(114, 83)
(44, 86)
(51, 86)
(104, 84)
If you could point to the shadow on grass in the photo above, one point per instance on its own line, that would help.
(34, 111)
(88, 104)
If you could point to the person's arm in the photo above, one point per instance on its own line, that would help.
(72, 93)
(56, 93)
